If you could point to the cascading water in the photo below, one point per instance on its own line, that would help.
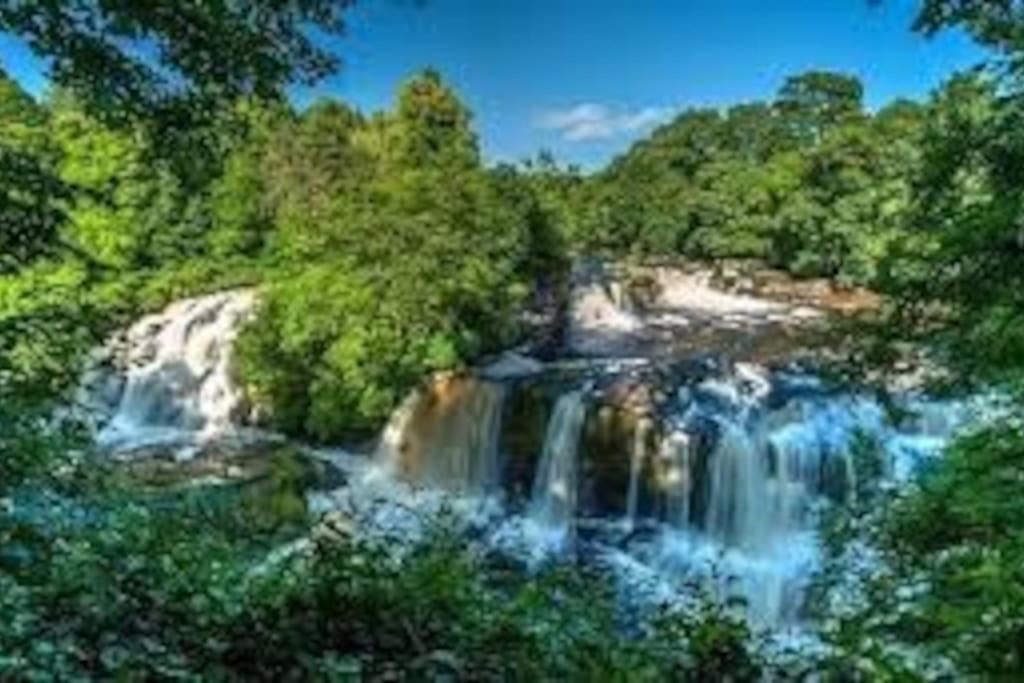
(739, 508)
(636, 465)
(741, 512)
(751, 536)
(446, 436)
(720, 484)
(677, 455)
(553, 503)
(716, 473)
(168, 378)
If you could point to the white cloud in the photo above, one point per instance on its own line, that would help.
(593, 121)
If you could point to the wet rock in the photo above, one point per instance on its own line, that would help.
(524, 422)
(511, 365)
(630, 394)
(334, 527)
(619, 441)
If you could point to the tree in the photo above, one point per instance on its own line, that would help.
(170, 67)
(817, 100)
(128, 210)
(994, 23)
(244, 197)
(29, 193)
(419, 259)
(431, 127)
(309, 163)
(809, 182)
(193, 52)
(956, 273)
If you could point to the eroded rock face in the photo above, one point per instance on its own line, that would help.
(528, 408)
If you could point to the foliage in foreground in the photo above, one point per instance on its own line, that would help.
(943, 588)
(182, 591)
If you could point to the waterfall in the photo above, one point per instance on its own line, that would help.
(676, 455)
(446, 436)
(636, 464)
(747, 462)
(725, 498)
(751, 538)
(763, 469)
(739, 510)
(395, 434)
(553, 503)
(167, 379)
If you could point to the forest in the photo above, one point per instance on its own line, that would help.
(387, 250)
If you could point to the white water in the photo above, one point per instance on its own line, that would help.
(736, 506)
(553, 503)
(677, 452)
(770, 470)
(168, 379)
(637, 459)
(603, 320)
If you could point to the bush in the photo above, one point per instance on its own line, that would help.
(947, 588)
(186, 590)
(421, 265)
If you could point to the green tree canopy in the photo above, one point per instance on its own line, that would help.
(138, 59)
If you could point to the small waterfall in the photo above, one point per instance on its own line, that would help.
(749, 537)
(748, 462)
(393, 438)
(167, 379)
(446, 436)
(553, 503)
(677, 456)
(739, 510)
(636, 465)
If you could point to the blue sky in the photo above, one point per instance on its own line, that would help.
(584, 77)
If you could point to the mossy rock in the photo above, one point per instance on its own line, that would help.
(270, 480)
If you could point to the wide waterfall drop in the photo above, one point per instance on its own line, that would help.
(707, 473)
(694, 471)
(719, 484)
(446, 436)
(167, 380)
(553, 503)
